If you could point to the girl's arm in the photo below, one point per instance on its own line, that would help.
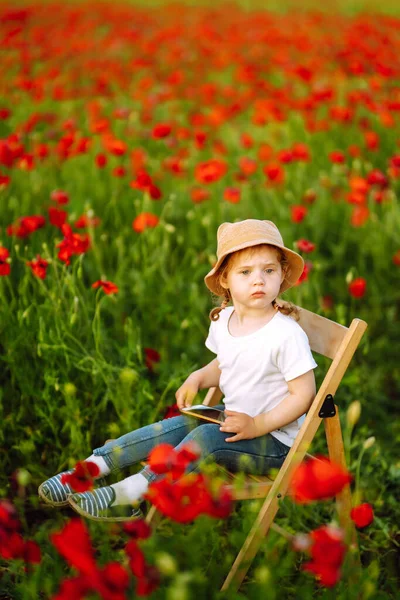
(301, 394)
(206, 377)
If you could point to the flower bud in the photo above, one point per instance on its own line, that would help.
(353, 413)
(369, 442)
(23, 477)
(166, 563)
(129, 376)
(69, 389)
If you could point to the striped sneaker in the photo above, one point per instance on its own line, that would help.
(53, 492)
(97, 505)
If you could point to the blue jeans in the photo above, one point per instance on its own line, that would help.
(256, 456)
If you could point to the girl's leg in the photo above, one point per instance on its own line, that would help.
(126, 450)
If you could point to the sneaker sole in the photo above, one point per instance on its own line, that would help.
(87, 515)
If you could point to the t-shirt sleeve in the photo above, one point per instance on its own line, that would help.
(210, 342)
(294, 356)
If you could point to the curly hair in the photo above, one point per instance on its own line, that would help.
(287, 308)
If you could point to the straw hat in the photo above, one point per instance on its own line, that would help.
(251, 232)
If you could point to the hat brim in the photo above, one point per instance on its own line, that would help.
(296, 265)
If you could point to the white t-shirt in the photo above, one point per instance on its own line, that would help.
(255, 368)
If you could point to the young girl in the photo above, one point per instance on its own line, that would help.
(264, 368)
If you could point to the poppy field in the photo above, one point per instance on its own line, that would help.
(128, 132)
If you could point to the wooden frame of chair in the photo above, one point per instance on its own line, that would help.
(338, 343)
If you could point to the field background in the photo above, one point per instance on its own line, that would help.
(78, 366)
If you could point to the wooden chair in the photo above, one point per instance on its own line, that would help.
(337, 343)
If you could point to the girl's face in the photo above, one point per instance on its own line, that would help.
(249, 274)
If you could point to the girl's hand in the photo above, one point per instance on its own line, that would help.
(243, 425)
(187, 392)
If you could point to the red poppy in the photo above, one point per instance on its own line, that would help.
(113, 145)
(327, 551)
(318, 479)
(119, 171)
(359, 216)
(4, 181)
(171, 411)
(84, 221)
(161, 130)
(59, 196)
(395, 259)
(275, 172)
(211, 170)
(101, 160)
(362, 515)
(371, 140)
(309, 196)
(73, 243)
(107, 286)
(232, 195)
(301, 152)
(38, 266)
(149, 582)
(358, 287)
(24, 226)
(57, 217)
(5, 268)
(305, 246)
(74, 545)
(199, 195)
(82, 477)
(144, 221)
(337, 157)
(298, 213)
(376, 177)
(248, 166)
(151, 358)
(137, 530)
(137, 561)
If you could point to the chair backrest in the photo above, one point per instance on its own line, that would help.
(324, 335)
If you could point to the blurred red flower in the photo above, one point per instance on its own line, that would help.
(57, 217)
(362, 515)
(308, 265)
(73, 243)
(165, 459)
(318, 479)
(161, 130)
(108, 286)
(82, 477)
(211, 170)
(12, 544)
(84, 221)
(38, 266)
(275, 172)
(171, 411)
(137, 530)
(151, 358)
(232, 195)
(59, 196)
(359, 216)
(358, 287)
(5, 268)
(337, 157)
(395, 259)
(298, 213)
(305, 246)
(101, 160)
(327, 552)
(24, 226)
(199, 195)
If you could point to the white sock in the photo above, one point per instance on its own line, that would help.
(101, 463)
(130, 489)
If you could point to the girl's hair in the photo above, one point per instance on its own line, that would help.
(287, 309)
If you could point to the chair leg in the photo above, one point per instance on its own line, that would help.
(343, 499)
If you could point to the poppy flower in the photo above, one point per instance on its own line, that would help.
(248, 166)
(138, 530)
(362, 515)
(38, 266)
(199, 195)
(74, 545)
(151, 358)
(108, 287)
(376, 177)
(275, 172)
(57, 217)
(318, 479)
(337, 157)
(24, 226)
(59, 196)
(72, 244)
(358, 287)
(371, 139)
(82, 477)
(5, 268)
(298, 213)
(232, 195)
(327, 552)
(84, 221)
(101, 160)
(161, 130)
(137, 561)
(359, 216)
(301, 152)
(171, 411)
(395, 259)
(305, 246)
(4, 181)
(119, 171)
(210, 171)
